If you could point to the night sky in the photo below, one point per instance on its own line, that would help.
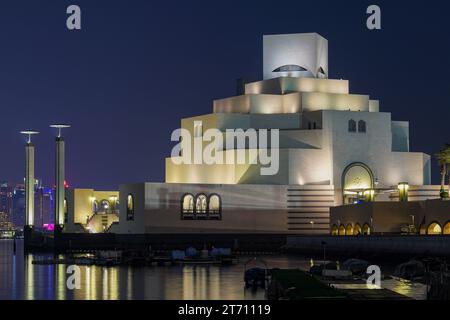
(137, 67)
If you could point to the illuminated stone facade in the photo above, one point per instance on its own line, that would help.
(335, 147)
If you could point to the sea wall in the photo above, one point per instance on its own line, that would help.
(414, 245)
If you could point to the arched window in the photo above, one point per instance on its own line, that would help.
(94, 206)
(351, 125)
(214, 204)
(349, 230)
(214, 207)
(361, 126)
(357, 231)
(104, 205)
(366, 229)
(334, 230)
(342, 230)
(434, 229)
(130, 207)
(447, 228)
(188, 204)
(200, 204)
(289, 67)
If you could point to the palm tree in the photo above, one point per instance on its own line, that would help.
(443, 157)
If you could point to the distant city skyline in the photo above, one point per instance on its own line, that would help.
(12, 204)
(126, 78)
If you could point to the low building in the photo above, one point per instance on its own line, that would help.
(6, 226)
(429, 217)
(88, 210)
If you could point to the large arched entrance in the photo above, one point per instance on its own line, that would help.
(357, 178)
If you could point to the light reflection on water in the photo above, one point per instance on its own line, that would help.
(407, 288)
(20, 279)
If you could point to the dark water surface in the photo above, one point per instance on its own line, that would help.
(20, 279)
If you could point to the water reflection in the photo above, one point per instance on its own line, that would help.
(417, 291)
(29, 277)
(129, 283)
(21, 279)
(200, 283)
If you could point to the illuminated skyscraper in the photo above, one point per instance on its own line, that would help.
(18, 206)
(43, 206)
(6, 193)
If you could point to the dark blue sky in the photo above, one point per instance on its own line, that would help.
(137, 67)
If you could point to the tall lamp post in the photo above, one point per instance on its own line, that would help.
(29, 187)
(60, 178)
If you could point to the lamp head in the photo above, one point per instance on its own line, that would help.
(29, 133)
(59, 126)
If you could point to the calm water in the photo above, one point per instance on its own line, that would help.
(20, 279)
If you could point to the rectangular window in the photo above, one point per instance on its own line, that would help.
(130, 208)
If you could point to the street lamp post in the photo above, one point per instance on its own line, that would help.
(60, 178)
(29, 188)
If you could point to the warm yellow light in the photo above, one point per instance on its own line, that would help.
(434, 229)
(369, 195)
(403, 188)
